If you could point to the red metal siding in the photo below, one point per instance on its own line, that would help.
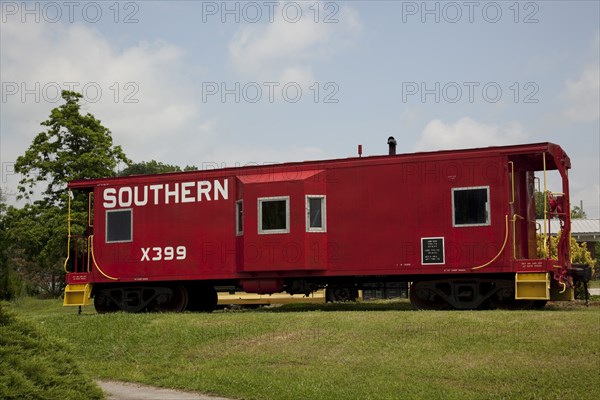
(203, 227)
(378, 210)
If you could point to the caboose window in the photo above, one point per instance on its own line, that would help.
(471, 206)
(239, 217)
(315, 214)
(119, 226)
(274, 215)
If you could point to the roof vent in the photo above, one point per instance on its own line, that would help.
(392, 145)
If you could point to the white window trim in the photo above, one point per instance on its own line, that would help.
(487, 207)
(106, 226)
(323, 212)
(238, 231)
(287, 215)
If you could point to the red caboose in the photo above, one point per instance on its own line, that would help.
(460, 225)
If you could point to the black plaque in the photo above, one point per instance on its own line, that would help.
(432, 250)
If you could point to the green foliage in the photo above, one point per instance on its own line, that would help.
(36, 246)
(74, 146)
(7, 285)
(539, 205)
(153, 167)
(579, 255)
(579, 252)
(34, 366)
(597, 266)
(578, 213)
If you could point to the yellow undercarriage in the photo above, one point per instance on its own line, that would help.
(77, 294)
(536, 286)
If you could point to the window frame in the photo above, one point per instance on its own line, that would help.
(260, 201)
(487, 207)
(323, 227)
(239, 218)
(130, 226)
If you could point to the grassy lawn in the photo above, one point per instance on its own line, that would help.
(329, 351)
(36, 366)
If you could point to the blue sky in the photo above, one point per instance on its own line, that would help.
(434, 75)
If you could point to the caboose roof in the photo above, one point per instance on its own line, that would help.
(532, 151)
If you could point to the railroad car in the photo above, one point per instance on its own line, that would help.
(459, 225)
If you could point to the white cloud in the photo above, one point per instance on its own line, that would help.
(467, 133)
(583, 96)
(262, 155)
(141, 93)
(282, 50)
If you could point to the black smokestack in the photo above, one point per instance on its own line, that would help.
(392, 145)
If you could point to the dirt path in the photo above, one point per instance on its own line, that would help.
(133, 391)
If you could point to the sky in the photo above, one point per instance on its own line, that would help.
(215, 83)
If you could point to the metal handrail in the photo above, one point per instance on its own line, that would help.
(91, 250)
(90, 210)
(68, 231)
(545, 241)
(512, 182)
(514, 232)
(501, 250)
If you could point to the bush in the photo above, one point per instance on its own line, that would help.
(579, 255)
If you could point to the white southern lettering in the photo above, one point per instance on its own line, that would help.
(204, 189)
(169, 193)
(172, 193)
(156, 189)
(122, 192)
(186, 192)
(110, 198)
(223, 190)
(136, 197)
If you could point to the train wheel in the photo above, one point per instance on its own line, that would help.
(103, 304)
(423, 299)
(202, 298)
(177, 302)
(341, 293)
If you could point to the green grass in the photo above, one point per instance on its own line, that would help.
(35, 366)
(351, 351)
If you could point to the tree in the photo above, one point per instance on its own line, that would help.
(36, 247)
(539, 204)
(578, 213)
(153, 167)
(74, 146)
(6, 289)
